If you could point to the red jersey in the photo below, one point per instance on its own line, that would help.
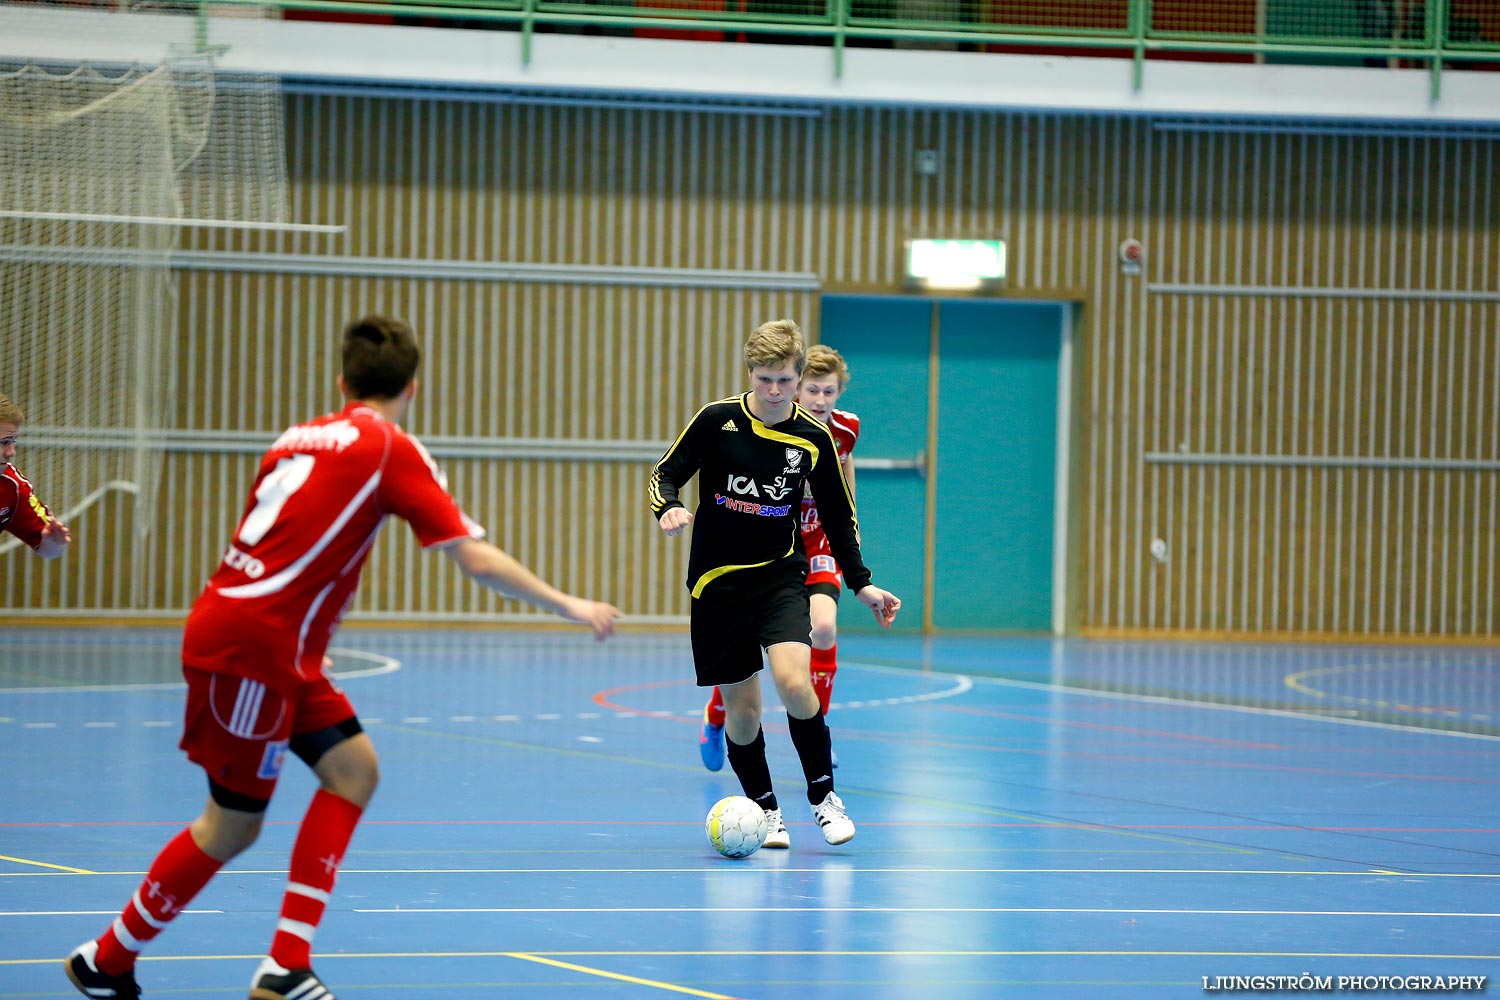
(21, 513)
(844, 426)
(290, 572)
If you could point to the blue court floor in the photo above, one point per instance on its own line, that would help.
(1036, 818)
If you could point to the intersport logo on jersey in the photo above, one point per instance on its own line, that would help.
(746, 507)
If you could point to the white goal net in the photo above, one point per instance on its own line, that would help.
(104, 167)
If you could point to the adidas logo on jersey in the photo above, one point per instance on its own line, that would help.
(729, 426)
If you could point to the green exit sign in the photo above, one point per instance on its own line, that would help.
(956, 265)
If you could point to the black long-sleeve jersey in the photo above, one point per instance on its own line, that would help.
(751, 485)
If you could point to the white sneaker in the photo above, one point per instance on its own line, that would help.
(776, 835)
(272, 982)
(838, 828)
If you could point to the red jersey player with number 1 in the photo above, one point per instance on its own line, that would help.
(253, 657)
(824, 380)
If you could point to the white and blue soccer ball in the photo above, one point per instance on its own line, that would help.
(736, 827)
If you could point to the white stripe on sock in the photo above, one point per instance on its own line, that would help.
(122, 934)
(311, 892)
(145, 914)
(297, 928)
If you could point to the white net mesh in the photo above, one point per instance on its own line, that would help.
(102, 164)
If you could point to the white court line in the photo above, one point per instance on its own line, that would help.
(382, 665)
(1110, 911)
(749, 869)
(1124, 911)
(82, 913)
(961, 685)
(1314, 714)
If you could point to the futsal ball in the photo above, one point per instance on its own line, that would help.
(736, 827)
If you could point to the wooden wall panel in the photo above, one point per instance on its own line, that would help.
(1313, 336)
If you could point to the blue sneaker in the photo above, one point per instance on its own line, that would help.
(711, 746)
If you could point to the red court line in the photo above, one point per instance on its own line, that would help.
(602, 698)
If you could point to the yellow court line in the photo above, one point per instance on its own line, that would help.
(615, 975)
(43, 864)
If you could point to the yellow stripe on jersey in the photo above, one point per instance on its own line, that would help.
(718, 571)
(654, 487)
(762, 430)
(833, 446)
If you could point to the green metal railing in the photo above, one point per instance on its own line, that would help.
(1435, 34)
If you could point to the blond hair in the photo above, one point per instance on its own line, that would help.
(10, 413)
(823, 361)
(775, 343)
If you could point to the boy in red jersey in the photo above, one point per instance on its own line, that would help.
(253, 657)
(824, 379)
(21, 512)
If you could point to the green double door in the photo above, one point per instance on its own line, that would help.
(973, 387)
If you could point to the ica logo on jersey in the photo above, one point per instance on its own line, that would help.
(743, 485)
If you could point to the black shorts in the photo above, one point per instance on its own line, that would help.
(730, 628)
(824, 588)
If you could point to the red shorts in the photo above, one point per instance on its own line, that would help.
(238, 730)
(823, 569)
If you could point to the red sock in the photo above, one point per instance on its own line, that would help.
(321, 841)
(714, 713)
(178, 874)
(824, 666)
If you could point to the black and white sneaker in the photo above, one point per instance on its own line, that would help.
(838, 828)
(272, 982)
(776, 835)
(91, 982)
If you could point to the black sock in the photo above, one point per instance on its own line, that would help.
(815, 749)
(748, 761)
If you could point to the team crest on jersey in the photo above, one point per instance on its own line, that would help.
(793, 459)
